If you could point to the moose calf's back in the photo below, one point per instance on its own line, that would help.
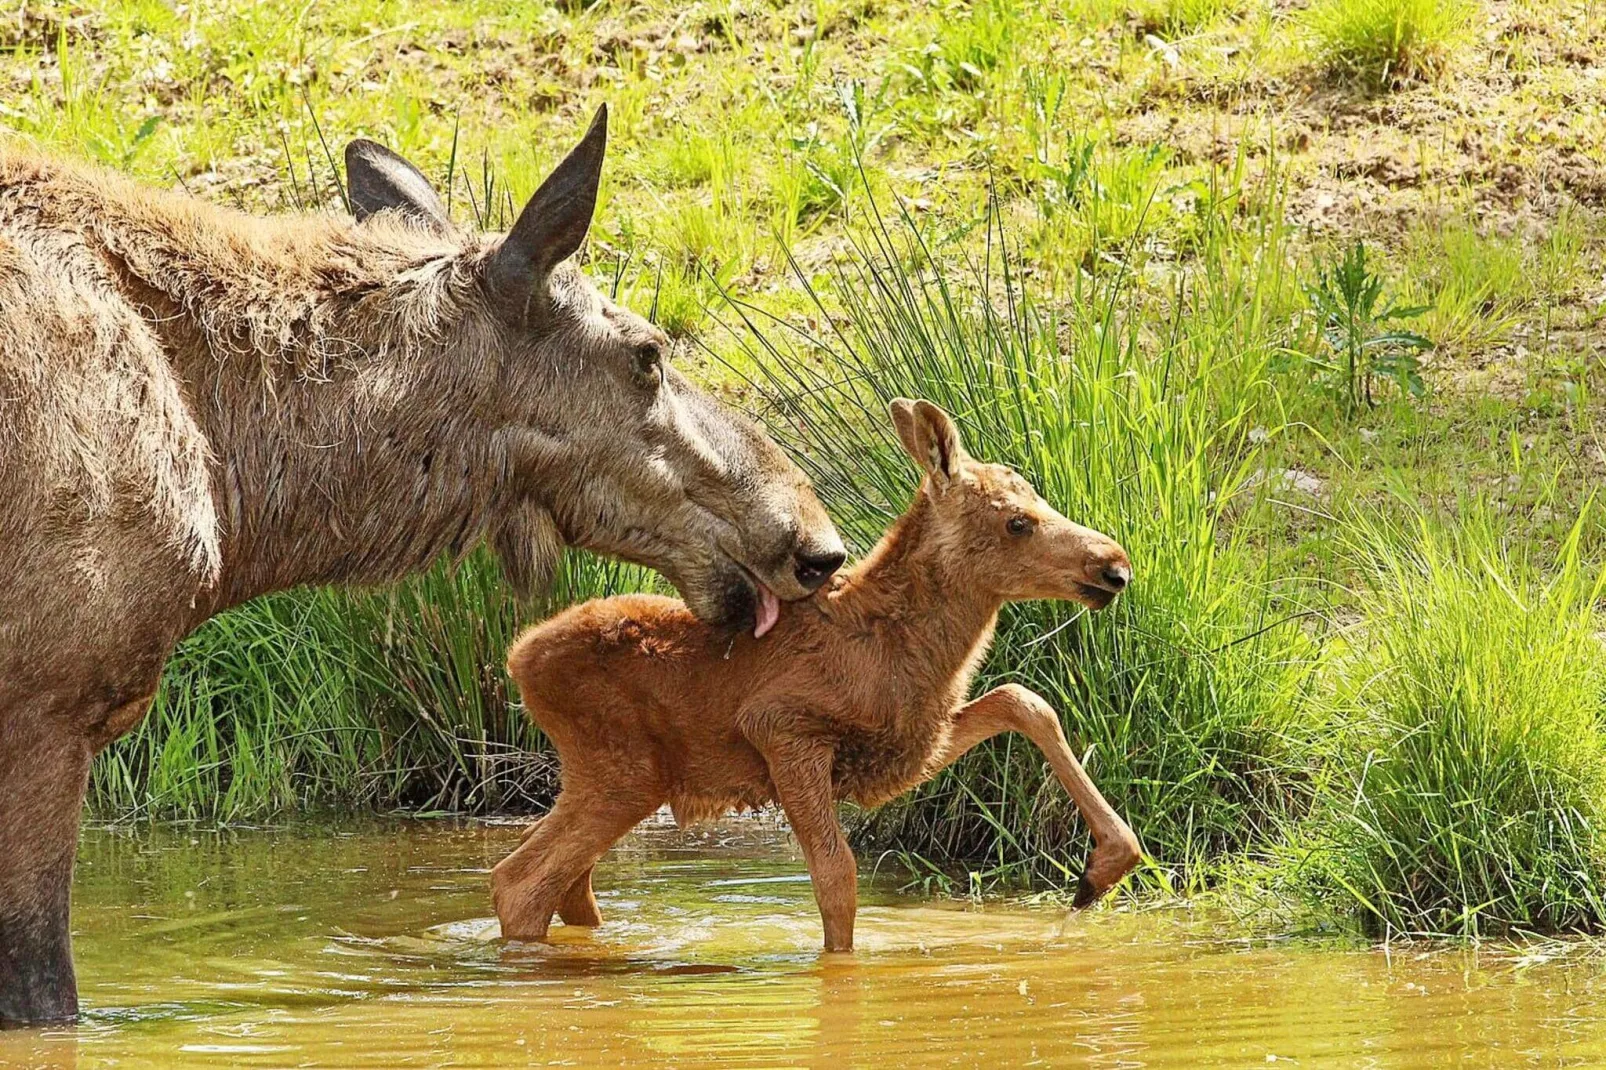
(638, 683)
(611, 683)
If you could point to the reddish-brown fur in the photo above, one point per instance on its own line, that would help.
(857, 694)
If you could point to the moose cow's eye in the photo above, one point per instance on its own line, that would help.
(1019, 525)
(650, 361)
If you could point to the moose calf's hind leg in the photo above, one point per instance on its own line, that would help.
(579, 905)
(532, 883)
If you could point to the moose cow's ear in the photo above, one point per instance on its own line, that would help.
(378, 180)
(554, 223)
(929, 436)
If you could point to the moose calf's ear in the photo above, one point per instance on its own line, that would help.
(929, 436)
(903, 422)
(378, 180)
(554, 223)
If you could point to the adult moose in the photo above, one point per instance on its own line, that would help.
(198, 407)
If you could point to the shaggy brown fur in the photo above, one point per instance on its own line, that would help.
(197, 407)
(859, 695)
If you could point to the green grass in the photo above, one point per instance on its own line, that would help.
(1477, 285)
(1383, 41)
(1178, 18)
(1469, 776)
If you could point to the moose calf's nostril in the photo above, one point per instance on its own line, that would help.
(813, 569)
(1117, 576)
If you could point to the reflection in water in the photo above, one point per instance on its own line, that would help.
(370, 946)
(52, 1048)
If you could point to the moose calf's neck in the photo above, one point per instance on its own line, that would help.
(921, 598)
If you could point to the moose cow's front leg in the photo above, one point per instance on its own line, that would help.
(1013, 708)
(802, 778)
(44, 769)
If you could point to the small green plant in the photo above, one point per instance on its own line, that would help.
(1476, 284)
(1561, 259)
(1177, 18)
(1381, 42)
(973, 44)
(1354, 319)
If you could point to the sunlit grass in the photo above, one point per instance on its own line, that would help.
(1469, 782)
(1176, 18)
(1475, 285)
(1382, 41)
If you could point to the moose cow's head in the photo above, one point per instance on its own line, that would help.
(606, 445)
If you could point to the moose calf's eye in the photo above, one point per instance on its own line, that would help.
(1019, 525)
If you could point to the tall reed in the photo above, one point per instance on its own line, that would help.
(340, 700)
(1186, 696)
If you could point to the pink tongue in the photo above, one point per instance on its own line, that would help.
(768, 612)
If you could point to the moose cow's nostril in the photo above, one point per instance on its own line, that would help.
(813, 569)
(1117, 576)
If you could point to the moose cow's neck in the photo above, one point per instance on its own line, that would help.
(335, 372)
(919, 585)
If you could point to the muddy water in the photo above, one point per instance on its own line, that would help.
(370, 946)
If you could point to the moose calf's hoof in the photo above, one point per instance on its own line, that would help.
(1106, 866)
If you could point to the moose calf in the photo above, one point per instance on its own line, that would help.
(858, 693)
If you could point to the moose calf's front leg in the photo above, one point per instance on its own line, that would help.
(802, 778)
(1013, 708)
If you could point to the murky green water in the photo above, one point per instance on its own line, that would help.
(372, 946)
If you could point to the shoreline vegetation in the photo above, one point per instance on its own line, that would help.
(1331, 381)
